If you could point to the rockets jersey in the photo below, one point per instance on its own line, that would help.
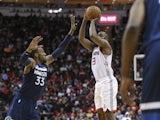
(101, 65)
(34, 83)
(152, 22)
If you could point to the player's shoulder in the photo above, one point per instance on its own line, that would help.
(30, 66)
(105, 50)
(32, 60)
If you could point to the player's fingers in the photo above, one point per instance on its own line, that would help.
(72, 17)
(40, 39)
(124, 94)
(131, 87)
(95, 19)
(126, 99)
(37, 39)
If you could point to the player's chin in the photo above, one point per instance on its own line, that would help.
(43, 60)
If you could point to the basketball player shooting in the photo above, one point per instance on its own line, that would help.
(106, 85)
(35, 60)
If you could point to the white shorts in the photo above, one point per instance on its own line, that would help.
(105, 95)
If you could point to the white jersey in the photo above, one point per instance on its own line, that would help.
(101, 65)
(106, 86)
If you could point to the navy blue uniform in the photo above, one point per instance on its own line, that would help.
(150, 102)
(23, 106)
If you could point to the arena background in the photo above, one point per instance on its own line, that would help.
(70, 89)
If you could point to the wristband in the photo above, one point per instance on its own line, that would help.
(27, 53)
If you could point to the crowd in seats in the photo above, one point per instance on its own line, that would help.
(69, 94)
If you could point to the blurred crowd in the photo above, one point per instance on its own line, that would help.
(69, 94)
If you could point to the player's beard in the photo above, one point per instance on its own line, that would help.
(42, 59)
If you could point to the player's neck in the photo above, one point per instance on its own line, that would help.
(39, 61)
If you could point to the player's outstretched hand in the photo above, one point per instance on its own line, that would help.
(34, 44)
(73, 25)
(126, 90)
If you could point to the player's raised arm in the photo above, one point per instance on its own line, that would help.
(100, 39)
(63, 45)
(24, 58)
(82, 39)
(129, 44)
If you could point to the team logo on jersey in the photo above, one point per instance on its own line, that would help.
(40, 71)
(8, 118)
(96, 53)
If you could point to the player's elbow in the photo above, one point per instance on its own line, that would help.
(92, 36)
(132, 28)
(80, 38)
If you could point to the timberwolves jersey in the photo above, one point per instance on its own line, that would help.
(152, 23)
(101, 65)
(34, 83)
(151, 74)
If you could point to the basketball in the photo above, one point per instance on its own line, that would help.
(93, 12)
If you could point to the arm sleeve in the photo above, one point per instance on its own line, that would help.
(62, 46)
(24, 59)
